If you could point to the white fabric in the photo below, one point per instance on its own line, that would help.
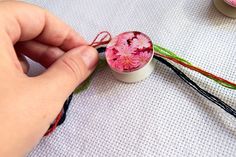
(160, 116)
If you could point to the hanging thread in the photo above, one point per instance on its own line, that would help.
(61, 116)
(164, 53)
(102, 38)
(105, 39)
(201, 91)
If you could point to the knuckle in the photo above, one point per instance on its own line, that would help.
(61, 37)
(54, 52)
(74, 68)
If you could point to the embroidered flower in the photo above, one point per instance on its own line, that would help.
(141, 42)
(117, 65)
(129, 51)
(128, 36)
(125, 50)
(113, 42)
(111, 54)
(144, 57)
(128, 62)
(124, 38)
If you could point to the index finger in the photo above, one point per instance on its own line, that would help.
(24, 22)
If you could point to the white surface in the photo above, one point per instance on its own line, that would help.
(160, 116)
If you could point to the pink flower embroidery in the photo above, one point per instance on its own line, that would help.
(141, 42)
(111, 54)
(128, 36)
(128, 62)
(113, 42)
(125, 50)
(231, 2)
(123, 40)
(129, 51)
(117, 65)
(144, 57)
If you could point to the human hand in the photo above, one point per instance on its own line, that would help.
(28, 105)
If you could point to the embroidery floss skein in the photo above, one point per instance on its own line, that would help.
(61, 117)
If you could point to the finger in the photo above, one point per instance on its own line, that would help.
(25, 22)
(66, 39)
(9, 61)
(41, 53)
(24, 63)
(69, 71)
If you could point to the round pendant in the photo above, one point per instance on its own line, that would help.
(231, 2)
(130, 55)
(226, 7)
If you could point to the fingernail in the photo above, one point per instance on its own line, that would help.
(90, 56)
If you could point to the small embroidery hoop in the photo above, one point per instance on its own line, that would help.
(225, 8)
(137, 75)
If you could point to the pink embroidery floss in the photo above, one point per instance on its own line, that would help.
(102, 38)
(130, 55)
(226, 7)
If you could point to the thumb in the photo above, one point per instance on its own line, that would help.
(69, 71)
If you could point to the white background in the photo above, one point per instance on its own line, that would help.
(160, 116)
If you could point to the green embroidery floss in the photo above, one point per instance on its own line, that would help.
(162, 52)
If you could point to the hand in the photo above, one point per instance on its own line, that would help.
(28, 105)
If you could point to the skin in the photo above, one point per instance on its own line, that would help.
(28, 105)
